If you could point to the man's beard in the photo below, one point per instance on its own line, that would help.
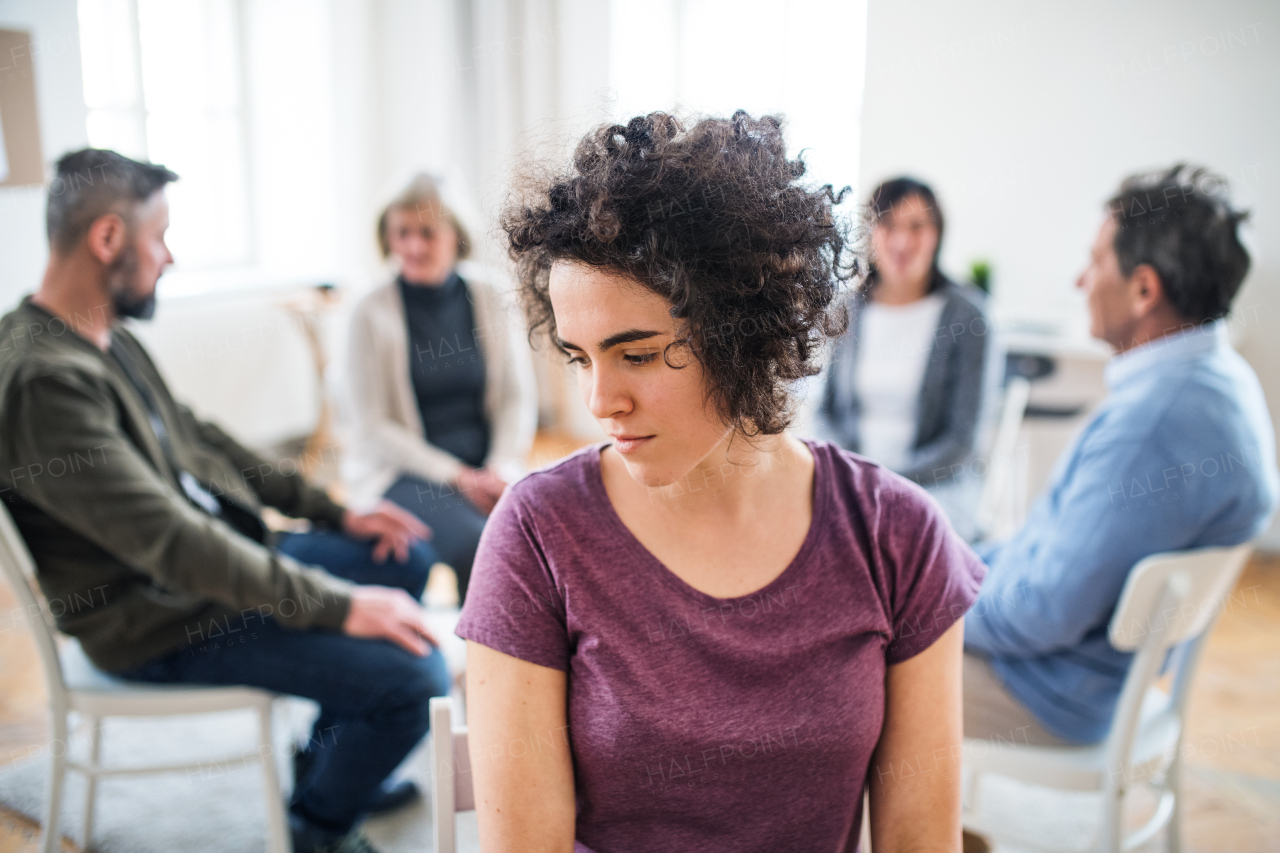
(122, 277)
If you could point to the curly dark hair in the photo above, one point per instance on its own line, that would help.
(1180, 221)
(714, 219)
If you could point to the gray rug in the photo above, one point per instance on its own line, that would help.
(215, 810)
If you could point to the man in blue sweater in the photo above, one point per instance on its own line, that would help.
(1181, 454)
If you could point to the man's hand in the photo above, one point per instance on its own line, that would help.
(383, 613)
(396, 530)
(482, 486)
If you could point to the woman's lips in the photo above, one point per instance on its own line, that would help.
(630, 444)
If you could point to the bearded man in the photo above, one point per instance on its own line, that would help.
(128, 500)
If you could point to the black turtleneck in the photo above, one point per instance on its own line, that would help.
(446, 367)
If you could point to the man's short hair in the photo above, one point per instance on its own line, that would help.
(1179, 221)
(91, 183)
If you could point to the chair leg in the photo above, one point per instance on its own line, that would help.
(91, 780)
(1173, 782)
(50, 838)
(1113, 822)
(277, 824)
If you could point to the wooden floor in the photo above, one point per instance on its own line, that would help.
(1232, 788)
(1233, 732)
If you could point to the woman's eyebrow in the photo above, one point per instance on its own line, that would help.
(629, 336)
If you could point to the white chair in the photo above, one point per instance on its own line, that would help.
(75, 685)
(998, 508)
(1169, 600)
(451, 790)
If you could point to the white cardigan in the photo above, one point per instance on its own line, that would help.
(386, 438)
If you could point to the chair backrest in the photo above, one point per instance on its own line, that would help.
(1199, 579)
(998, 484)
(451, 790)
(1167, 600)
(19, 569)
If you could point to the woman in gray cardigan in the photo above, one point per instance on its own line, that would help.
(440, 379)
(906, 382)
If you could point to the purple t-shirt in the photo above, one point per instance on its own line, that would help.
(703, 724)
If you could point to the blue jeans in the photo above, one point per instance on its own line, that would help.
(373, 695)
(455, 522)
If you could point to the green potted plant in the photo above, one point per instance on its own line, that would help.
(980, 275)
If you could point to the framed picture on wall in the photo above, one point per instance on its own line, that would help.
(20, 160)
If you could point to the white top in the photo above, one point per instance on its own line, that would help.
(894, 342)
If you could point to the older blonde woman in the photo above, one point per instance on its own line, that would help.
(440, 380)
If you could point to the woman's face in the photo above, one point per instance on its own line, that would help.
(423, 243)
(615, 331)
(903, 242)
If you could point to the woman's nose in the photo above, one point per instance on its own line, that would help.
(606, 396)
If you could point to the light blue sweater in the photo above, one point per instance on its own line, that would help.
(1181, 454)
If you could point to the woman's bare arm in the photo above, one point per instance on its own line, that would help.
(521, 765)
(915, 772)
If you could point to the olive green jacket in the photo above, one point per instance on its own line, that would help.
(128, 564)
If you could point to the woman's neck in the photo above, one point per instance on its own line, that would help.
(435, 284)
(735, 479)
(900, 291)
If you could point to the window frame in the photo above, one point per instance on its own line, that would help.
(139, 115)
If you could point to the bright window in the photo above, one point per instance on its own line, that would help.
(163, 82)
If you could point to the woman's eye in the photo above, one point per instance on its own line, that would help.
(641, 359)
(578, 360)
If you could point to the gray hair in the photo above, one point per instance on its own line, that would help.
(1179, 222)
(92, 183)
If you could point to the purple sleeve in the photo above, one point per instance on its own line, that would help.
(934, 575)
(513, 604)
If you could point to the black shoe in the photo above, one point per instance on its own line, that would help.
(387, 798)
(304, 760)
(309, 838)
(390, 797)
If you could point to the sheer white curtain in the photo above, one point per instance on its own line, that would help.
(537, 77)
(539, 73)
(802, 59)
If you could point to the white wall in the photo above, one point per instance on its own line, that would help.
(1025, 116)
(55, 48)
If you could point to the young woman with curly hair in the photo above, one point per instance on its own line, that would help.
(705, 634)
